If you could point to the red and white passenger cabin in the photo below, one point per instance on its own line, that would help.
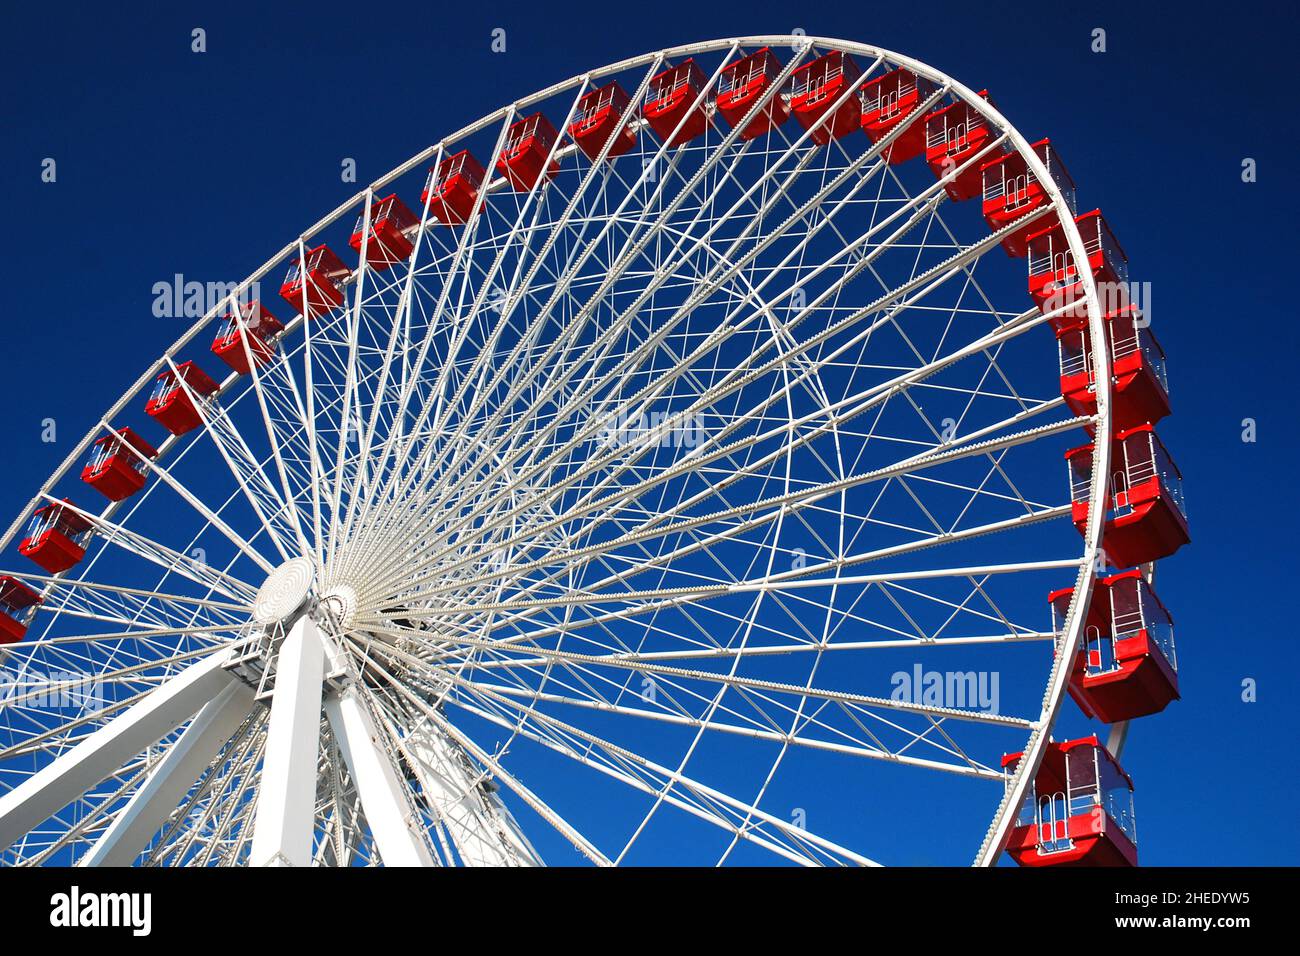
(1139, 381)
(1054, 282)
(1145, 515)
(56, 537)
(743, 86)
(529, 143)
(823, 89)
(315, 289)
(958, 137)
(597, 119)
(894, 100)
(262, 328)
(387, 243)
(1127, 666)
(453, 188)
(674, 108)
(1079, 811)
(1011, 191)
(171, 405)
(117, 467)
(18, 604)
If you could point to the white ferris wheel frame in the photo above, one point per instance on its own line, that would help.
(201, 690)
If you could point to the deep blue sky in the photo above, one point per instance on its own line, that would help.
(204, 164)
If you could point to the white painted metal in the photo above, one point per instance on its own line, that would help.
(393, 822)
(105, 751)
(286, 792)
(484, 832)
(1117, 738)
(174, 774)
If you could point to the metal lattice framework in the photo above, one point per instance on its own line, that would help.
(594, 523)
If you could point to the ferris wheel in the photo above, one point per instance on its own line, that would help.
(671, 466)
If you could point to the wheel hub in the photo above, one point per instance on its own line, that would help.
(286, 592)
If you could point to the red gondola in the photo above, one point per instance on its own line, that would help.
(56, 538)
(1079, 811)
(114, 470)
(818, 87)
(1145, 516)
(528, 145)
(18, 604)
(596, 121)
(745, 83)
(1127, 667)
(170, 405)
(320, 292)
(387, 245)
(955, 135)
(887, 102)
(1054, 280)
(671, 102)
(1012, 191)
(453, 187)
(262, 328)
(1140, 386)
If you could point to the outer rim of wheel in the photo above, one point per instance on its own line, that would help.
(1018, 784)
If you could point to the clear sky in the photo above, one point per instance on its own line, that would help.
(173, 162)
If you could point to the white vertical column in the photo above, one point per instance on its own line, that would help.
(286, 793)
(396, 832)
(105, 751)
(171, 779)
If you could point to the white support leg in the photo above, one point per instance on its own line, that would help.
(105, 751)
(396, 831)
(483, 829)
(167, 784)
(286, 800)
